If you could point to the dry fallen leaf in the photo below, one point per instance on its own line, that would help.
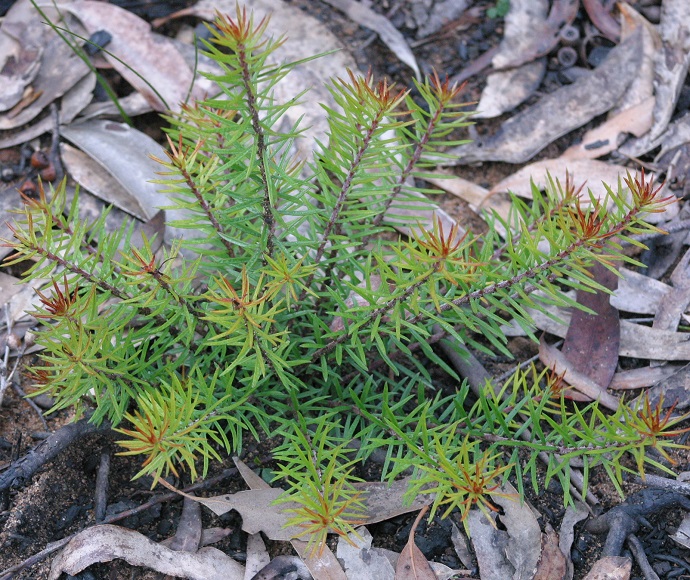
(507, 89)
(566, 533)
(637, 340)
(558, 113)
(412, 564)
(523, 547)
(107, 542)
(594, 174)
(670, 71)
(95, 178)
(21, 48)
(257, 556)
(552, 563)
(323, 566)
(593, 339)
(60, 70)
(608, 136)
(489, 545)
(150, 63)
(530, 33)
(123, 152)
(360, 561)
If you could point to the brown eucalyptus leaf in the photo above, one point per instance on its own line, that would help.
(529, 33)
(528, 132)
(105, 543)
(360, 13)
(554, 359)
(637, 340)
(412, 564)
(149, 60)
(593, 339)
(552, 563)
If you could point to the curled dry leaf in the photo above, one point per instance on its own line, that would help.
(602, 18)
(105, 543)
(528, 132)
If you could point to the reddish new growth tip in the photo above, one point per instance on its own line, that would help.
(445, 92)
(645, 194)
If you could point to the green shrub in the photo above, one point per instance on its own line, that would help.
(297, 311)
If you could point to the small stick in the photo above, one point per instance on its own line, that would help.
(101, 495)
